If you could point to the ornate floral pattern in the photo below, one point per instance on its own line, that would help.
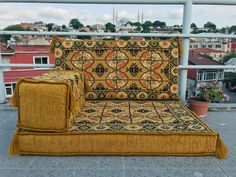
(137, 116)
(141, 70)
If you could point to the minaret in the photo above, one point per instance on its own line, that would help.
(116, 18)
(138, 17)
(113, 16)
(142, 18)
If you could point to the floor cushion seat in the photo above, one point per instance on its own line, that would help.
(126, 110)
(137, 116)
(127, 128)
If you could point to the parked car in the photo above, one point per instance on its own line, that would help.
(232, 88)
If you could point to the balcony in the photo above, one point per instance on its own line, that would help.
(221, 118)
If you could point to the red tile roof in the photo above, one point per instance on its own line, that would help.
(196, 59)
(206, 50)
(23, 48)
(233, 40)
(5, 50)
(31, 48)
(25, 24)
(137, 38)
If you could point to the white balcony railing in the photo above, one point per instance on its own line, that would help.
(187, 16)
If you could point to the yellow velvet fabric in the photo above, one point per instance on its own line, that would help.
(49, 102)
(111, 127)
(179, 144)
(129, 128)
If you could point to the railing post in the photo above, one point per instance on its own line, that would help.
(2, 85)
(184, 58)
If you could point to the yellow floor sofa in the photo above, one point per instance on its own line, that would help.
(110, 97)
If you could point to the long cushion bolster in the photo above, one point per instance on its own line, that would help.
(49, 102)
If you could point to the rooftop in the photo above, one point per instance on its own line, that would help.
(206, 50)
(197, 59)
(120, 166)
(4, 50)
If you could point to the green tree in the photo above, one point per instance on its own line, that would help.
(38, 23)
(63, 27)
(223, 30)
(49, 26)
(75, 23)
(145, 30)
(125, 38)
(232, 29)
(211, 26)
(229, 56)
(5, 38)
(110, 27)
(158, 23)
(193, 25)
(139, 28)
(137, 24)
(14, 28)
(89, 26)
(146, 26)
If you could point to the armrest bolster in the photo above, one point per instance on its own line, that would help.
(50, 102)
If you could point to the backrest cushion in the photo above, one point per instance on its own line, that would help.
(117, 69)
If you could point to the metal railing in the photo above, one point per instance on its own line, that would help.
(185, 33)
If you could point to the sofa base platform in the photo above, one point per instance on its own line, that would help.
(177, 144)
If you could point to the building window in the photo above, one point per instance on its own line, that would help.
(220, 75)
(199, 76)
(203, 46)
(41, 60)
(209, 46)
(210, 76)
(218, 46)
(9, 88)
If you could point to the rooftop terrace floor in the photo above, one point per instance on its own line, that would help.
(120, 166)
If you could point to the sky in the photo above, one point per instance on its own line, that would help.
(93, 13)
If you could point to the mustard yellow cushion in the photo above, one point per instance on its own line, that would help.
(49, 102)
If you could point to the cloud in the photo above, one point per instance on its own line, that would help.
(92, 14)
(175, 13)
(104, 18)
(130, 15)
(52, 13)
(32, 14)
(126, 14)
(220, 15)
(150, 14)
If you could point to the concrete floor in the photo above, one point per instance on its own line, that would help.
(232, 97)
(107, 166)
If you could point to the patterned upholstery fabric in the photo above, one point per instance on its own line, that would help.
(137, 116)
(145, 70)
